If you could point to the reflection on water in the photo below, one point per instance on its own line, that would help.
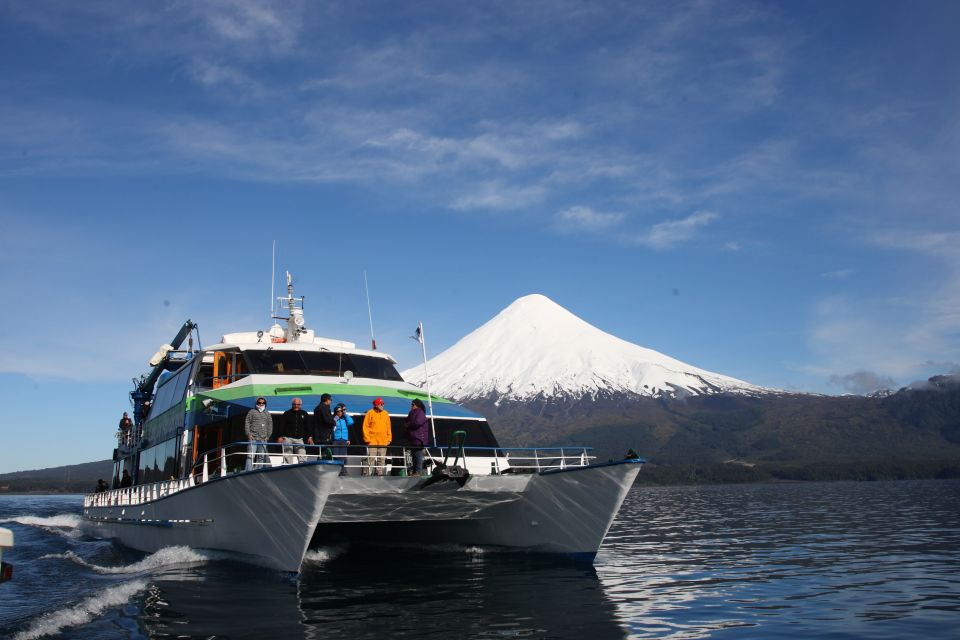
(418, 594)
(840, 560)
(798, 560)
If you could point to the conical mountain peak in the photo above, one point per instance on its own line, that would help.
(537, 348)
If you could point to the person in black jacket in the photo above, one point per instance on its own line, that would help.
(295, 430)
(324, 421)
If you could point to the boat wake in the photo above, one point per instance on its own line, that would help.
(165, 557)
(65, 524)
(83, 612)
(323, 554)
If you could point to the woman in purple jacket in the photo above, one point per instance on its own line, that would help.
(417, 433)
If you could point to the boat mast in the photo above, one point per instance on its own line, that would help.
(373, 342)
(273, 277)
(423, 347)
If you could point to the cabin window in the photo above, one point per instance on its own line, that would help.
(147, 458)
(204, 377)
(324, 363)
(171, 390)
(478, 432)
(277, 362)
(159, 462)
(320, 363)
(228, 366)
(377, 368)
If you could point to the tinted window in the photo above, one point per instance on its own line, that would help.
(378, 368)
(172, 390)
(170, 460)
(271, 361)
(324, 363)
(320, 363)
(478, 432)
(146, 465)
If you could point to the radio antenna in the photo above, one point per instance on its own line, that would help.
(366, 287)
(273, 275)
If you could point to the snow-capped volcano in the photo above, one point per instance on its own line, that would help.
(536, 348)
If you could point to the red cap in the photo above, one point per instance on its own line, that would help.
(378, 401)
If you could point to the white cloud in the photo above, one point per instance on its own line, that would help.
(862, 382)
(581, 218)
(211, 74)
(670, 233)
(497, 196)
(898, 335)
(940, 244)
(251, 23)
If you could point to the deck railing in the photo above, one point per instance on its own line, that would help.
(238, 457)
(357, 461)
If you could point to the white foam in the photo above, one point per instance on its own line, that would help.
(59, 521)
(165, 557)
(324, 554)
(52, 623)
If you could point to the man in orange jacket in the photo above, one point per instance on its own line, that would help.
(377, 434)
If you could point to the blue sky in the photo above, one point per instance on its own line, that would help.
(765, 190)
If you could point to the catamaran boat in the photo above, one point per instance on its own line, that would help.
(194, 480)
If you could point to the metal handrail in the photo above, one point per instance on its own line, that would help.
(501, 459)
(231, 458)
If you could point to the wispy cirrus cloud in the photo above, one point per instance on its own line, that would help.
(535, 122)
(494, 196)
(265, 24)
(899, 336)
(670, 233)
(219, 75)
(581, 218)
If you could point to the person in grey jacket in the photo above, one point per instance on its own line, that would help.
(258, 426)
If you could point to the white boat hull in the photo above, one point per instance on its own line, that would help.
(564, 512)
(266, 516)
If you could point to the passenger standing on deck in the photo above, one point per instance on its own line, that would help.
(258, 427)
(325, 422)
(376, 435)
(295, 429)
(126, 480)
(417, 433)
(341, 432)
(126, 428)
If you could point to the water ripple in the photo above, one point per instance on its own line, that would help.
(795, 560)
(842, 560)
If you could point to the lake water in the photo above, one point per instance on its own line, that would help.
(825, 560)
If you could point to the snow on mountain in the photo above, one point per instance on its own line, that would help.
(536, 348)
